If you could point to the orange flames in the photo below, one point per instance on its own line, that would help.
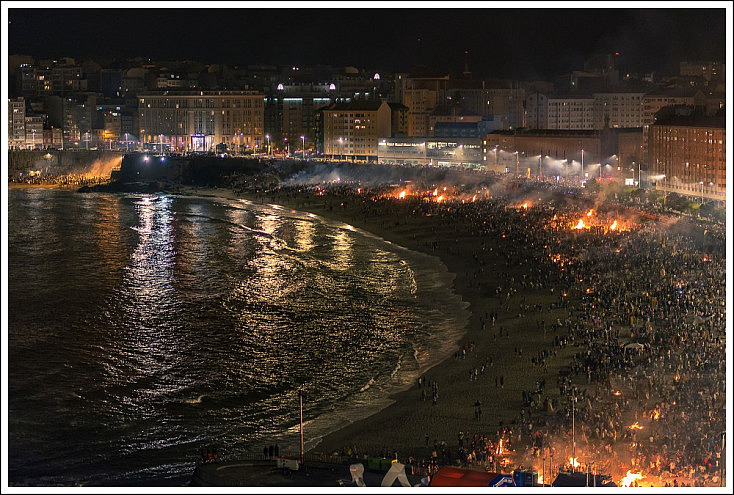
(439, 199)
(630, 478)
(617, 393)
(635, 426)
(613, 226)
(590, 213)
(401, 195)
(580, 225)
(525, 205)
(574, 462)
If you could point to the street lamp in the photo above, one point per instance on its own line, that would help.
(582, 164)
(303, 147)
(639, 179)
(540, 166)
(517, 163)
(267, 136)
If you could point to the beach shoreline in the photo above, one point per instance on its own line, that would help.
(410, 425)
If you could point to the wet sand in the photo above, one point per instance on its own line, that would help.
(403, 426)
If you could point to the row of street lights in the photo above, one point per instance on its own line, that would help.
(285, 141)
(564, 161)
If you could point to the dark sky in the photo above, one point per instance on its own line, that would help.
(522, 43)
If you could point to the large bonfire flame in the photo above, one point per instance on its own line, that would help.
(574, 462)
(630, 478)
(401, 195)
(613, 226)
(580, 225)
(635, 426)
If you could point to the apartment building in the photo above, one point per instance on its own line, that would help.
(201, 120)
(352, 129)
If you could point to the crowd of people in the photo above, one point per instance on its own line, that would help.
(59, 180)
(644, 310)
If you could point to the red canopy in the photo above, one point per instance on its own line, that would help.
(451, 476)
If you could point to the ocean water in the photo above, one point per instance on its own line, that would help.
(143, 327)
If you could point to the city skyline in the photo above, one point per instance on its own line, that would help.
(520, 43)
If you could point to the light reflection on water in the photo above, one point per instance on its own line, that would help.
(192, 322)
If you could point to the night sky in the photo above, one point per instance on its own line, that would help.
(520, 43)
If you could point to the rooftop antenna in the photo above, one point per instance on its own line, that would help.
(467, 72)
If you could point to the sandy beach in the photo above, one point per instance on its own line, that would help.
(403, 426)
